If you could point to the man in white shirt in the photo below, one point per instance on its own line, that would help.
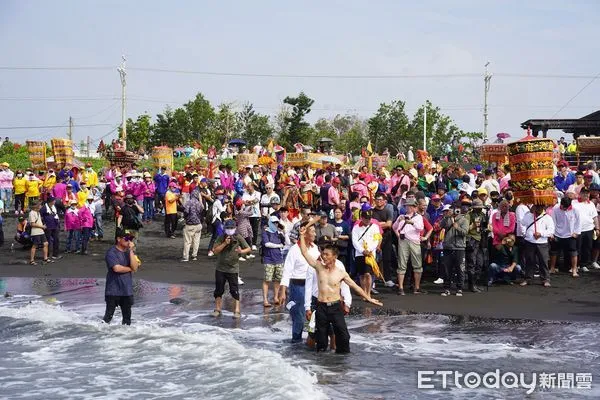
(311, 295)
(266, 200)
(295, 269)
(589, 223)
(366, 237)
(252, 198)
(536, 227)
(490, 184)
(567, 227)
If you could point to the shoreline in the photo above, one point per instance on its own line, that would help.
(569, 299)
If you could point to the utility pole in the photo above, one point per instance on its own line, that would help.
(487, 78)
(70, 128)
(88, 146)
(123, 74)
(425, 127)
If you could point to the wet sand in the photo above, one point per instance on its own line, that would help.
(568, 299)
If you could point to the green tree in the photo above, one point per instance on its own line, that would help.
(443, 136)
(138, 132)
(298, 130)
(390, 128)
(226, 125)
(255, 127)
(163, 130)
(201, 117)
(349, 132)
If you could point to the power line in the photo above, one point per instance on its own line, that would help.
(57, 98)
(99, 112)
(576, 94)
(48, 68)
(315, 76)
(50, 126)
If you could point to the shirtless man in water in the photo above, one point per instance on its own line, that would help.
(329, 303)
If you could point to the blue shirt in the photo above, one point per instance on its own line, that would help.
(270, 255)
(162, 183)
(563, 183)
(117, 284)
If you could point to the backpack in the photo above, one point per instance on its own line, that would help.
(130, 219)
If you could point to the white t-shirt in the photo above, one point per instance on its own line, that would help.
(587, 213)
(255, 196)
(265, 203)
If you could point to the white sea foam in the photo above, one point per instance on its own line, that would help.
(195, 361)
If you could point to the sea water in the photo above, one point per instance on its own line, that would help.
(53, 345)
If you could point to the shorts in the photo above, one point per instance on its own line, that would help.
(273, 272)
(39, 240)
(565, 245)
(361, 266)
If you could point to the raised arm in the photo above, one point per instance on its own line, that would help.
(304, 250)
(359, 290)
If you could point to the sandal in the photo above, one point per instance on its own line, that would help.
(32, 263)
(216, 313)
(48, 261)
(237, 315)
(267, 305)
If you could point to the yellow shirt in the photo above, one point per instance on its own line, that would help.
(82, 197)
(49, 183)
(90, 177)
(33, 188)
(170, 203)
(20, 185)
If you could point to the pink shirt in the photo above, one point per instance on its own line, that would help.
(412, 232)
(360, 188)
(498, 228)
(334, 196)
(86, 219)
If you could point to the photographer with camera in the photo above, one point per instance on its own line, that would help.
(408, 227)
(456, 226)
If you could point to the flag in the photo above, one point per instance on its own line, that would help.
(370, 148)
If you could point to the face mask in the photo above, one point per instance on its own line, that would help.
(230, 232)
(72, 207)
(89, 170)
(19, 175)
(272, 227)
(220, 198)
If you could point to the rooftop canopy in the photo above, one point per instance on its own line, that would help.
(588, 125)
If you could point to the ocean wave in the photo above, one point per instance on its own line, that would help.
(143, 360)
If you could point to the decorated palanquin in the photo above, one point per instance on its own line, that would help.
(494, 153)
(532, 170)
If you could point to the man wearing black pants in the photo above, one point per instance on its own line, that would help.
(456, 225)
(536, 228)
(588, 217)
(228, 248)
(50, 218)
(121, 261)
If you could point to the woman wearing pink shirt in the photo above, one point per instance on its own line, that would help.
(86, 221)
(72, 227)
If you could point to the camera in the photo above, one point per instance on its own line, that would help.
(456, 211)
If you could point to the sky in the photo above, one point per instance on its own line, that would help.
(435, 40)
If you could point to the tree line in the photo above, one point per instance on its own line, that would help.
(197, 121)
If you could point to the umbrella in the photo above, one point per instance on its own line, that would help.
(325, 139)
(278, 149)
(502, 135)
(330, 159)
(237, 142)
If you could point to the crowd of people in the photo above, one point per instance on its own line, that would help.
(464, 228)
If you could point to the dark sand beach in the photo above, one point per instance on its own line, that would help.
(568, 299)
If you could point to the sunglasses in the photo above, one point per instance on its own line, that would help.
(128, 238)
